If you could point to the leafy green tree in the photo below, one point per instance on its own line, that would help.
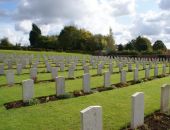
(130, 45)
(143, 44)
(84, 42)
(34, 36)
(4, 42)
(98, 42)
(120, 47)
(68, 37)
(159, 46)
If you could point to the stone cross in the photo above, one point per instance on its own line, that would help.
(91, 118)
(27, 90)
(60, 85)
(137, 117)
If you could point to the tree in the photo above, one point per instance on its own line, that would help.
(98, 42)
(130, 45)
(120, 47)
(159, 46)
(34, 36)
(142, 44)
(4, 42)
(85, 40)
(68, 37)
(110, 41)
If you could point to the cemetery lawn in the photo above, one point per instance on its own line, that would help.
(65, 114)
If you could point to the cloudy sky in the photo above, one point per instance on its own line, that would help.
(127, 18)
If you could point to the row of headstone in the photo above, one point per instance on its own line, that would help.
(100, 66)
(91, 117)
(54, 73)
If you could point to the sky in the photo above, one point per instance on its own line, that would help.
(127, 18)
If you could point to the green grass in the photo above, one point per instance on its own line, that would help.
(40, 52)
(65, 114)
(42, 75)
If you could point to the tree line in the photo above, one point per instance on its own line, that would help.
(143, 44)
(72, 38)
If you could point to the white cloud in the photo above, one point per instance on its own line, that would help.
(24, 26)
(96, 16)
(13, 35)
(54, 10)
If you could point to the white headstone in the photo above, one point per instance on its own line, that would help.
(86, 83)
(1, 69)
(99, 69)
(129, 67)
(9, 64)
(144, 65)
(19, 69)
(27, 89)
(123, 76)
(91, 118)
(165, 93)
(137, 118)
(120, 65)
(33, 73)
(86, 69)
(107, 79)
(147, 73)
(60, 85)
(48, 66)
(71, 72)
(164, 69)
(93, 64)
(111, 68)
(156, 71)
(10, 77)
(135, 74)
(54, 72)
(62, 66)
